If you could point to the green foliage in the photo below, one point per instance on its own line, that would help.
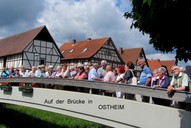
(19, 116)
(167, 22)
(2, 126)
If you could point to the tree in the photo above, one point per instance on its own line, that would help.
(167, 22)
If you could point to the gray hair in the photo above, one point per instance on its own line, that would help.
(162, 69)
(103, 62)
(58, 67)
(155, 71)
(182, 69)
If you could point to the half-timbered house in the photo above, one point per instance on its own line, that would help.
(133, 55)
(30, 48)
(90, 51)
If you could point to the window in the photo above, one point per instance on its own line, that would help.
(71, 50)
(36, 56)
(85, 49)
(42, 61)
(63, 52)
(108, 53)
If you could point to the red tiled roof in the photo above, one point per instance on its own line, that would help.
(92, 46)
(131, 54)
(154, 64)
(168, 64)
(16, 43)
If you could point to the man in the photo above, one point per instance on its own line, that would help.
(4, 73)
(109, 77)
(179, 82)
(102, 70)
(11, 71)
(145, 77)
(93, 75)
(23, 72)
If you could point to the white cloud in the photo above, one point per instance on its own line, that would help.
(82, 19)
(160, 55)
(96, 19)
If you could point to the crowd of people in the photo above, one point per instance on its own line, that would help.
(96, 72)
(157, 78)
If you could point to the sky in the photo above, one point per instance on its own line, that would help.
(78, 19)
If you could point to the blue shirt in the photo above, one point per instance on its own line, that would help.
(93, 74)
(145, 74)
(5, 74)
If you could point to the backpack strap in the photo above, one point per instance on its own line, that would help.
(132, 72)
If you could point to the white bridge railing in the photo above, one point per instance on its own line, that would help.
(182, 96)
(105, 110)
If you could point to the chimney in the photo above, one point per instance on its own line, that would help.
(89, 39)
(120, 50)
(74, 41)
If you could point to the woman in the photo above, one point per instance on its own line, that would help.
(162, 82)
(129, 73)
(58, 72)
(73, 71)
(80, 76)
(40, 72)
(128, 77)
(32, 72)
(16, 74)
(154, 76)
(50, 72)
(65, 71)
(120, 79)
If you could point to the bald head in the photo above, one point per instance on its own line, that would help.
(108, 68)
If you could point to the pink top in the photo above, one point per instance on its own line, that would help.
(58, 75)
(82, 76)
(31, 74)
(109, 77)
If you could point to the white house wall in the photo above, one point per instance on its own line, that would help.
(38, 51)
(14, 60)
(1, 63)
